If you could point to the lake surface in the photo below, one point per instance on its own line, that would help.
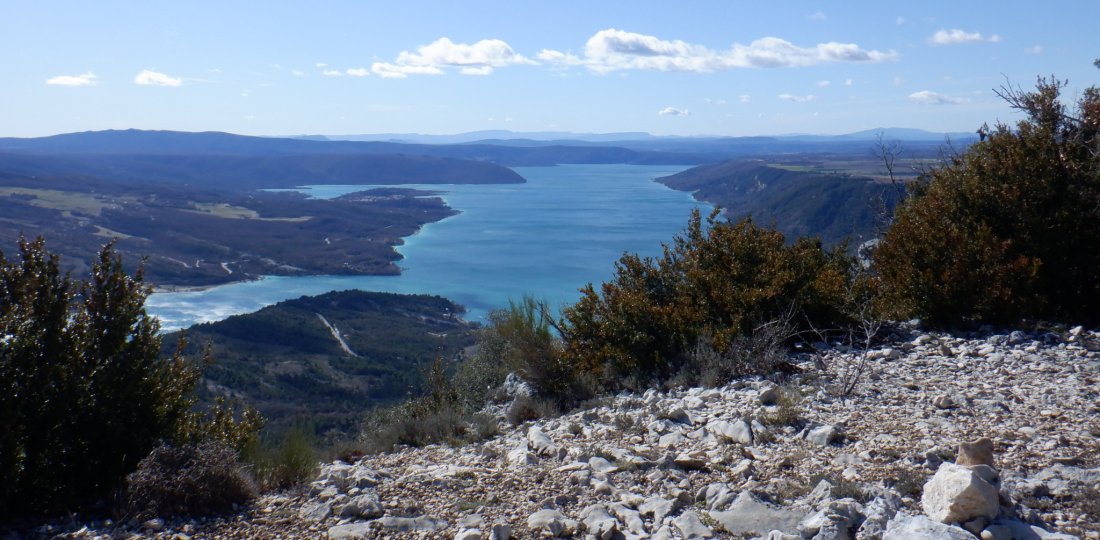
(549, 237)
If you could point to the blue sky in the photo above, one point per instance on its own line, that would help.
(683, 68)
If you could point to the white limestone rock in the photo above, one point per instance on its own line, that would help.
(551, 523)
(747, 514)
(739, 432)
(958, 494)
(906, 527)
(691, 527)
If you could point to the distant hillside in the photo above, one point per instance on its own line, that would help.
(191, 144)
(246, 173)
(832, 206)
(285, 361)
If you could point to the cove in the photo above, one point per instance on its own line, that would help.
(548, 237)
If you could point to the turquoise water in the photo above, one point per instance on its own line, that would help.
(562, 229)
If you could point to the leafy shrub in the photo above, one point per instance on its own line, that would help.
(190, 479)
(84, 394)
(720, 281)
(1008, 230)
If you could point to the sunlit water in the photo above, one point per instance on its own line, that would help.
(562, 229)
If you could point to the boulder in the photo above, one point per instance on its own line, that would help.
(823, 435)
(468, 534)
(601, 465)
(350, 531)
(906, 527)
(979, 452)
(411, 524)
(691, 527)
(658, 507)
(552, 523)
(540, 442)
(366, 506)
(738, 432)
(315, 511)
(500, 531)
(957, 494)
(599, 522)
(516, 387)
(769, 395)
(749, 515)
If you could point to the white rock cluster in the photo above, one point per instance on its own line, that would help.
(992, 437)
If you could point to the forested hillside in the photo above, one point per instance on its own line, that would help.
(286, 361)
(833, 206)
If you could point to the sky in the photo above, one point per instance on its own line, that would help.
(693, 67)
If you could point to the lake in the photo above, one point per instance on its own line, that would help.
(562, 229)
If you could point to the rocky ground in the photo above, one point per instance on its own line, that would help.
(748, 460)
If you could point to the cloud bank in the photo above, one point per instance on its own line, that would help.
(86, 79)
(613, 50)
(153, 78)
(479, 58)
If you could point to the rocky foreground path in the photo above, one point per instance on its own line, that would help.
(996, 437)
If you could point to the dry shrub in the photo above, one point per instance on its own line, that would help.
(188, 480)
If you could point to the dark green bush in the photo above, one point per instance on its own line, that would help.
(193, 479)
(84, 394)
(718, 281)
(1009, 230)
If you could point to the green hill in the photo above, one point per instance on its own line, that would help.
(833, 206)
(285, 361)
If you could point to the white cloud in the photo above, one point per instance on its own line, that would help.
(927, 97)
(818, 16)
(479, 58)
(714, 101)
(797, 99)
(744, 98)
(673, 111)
(823, 84)
(611, 50)
(154, 78)
(332, 73)
(387, 70)
(85, 79)
(956, 36)
(899, 21)
(898, 81)
(358, 72)
(321, 65)
(848, 82)
(297, 72)
(558, 57)
(1038, 49)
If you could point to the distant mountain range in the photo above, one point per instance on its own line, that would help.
(503, 135)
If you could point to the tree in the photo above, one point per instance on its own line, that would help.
(1008, 230)
(84, 394)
